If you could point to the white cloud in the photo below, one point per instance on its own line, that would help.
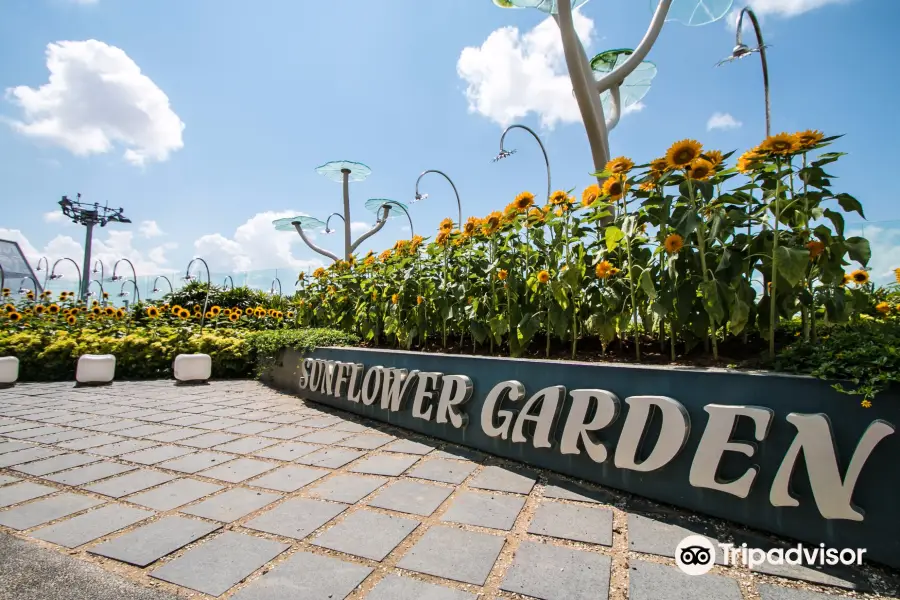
(254, 245)
(150, 229)
(634, 108)
(779, 8)
(158, 255)
(54, 216)
(97, 98)
(722, 121)
(513, 74)
(359, 227)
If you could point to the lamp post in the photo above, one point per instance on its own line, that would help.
(54, 275)
(102, 291)
(228, 278)
(89, 215)
(741, 50)
(101, 270)
(164, 278)
(188, 277)
(46, 268)
(328, 229)
(453, 185)
(272, 288)
(504, 153)
(23, 290)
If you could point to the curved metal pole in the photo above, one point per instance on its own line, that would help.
(348, 246)
(98, 282)
(166, 279)
(615, 113)
(53, 274)
(225, 282)
(328, 229)
(46, 268)
(374, 230)
(101, 271)
(187, 277)
(33, 283)
(272, 288)
(312, 246)
(115, 266)
(453, 185)
(504, 153)
(137, 292)
(762, 57)
(2, 280)
(387, 207)
(617, 76)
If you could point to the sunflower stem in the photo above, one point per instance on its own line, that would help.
(774, 279)
(701, 245)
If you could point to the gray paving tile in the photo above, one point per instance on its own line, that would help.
(193, 463)
(566, 490)
(307, 576)
(252, 428)
(484, 509)
(411, 497)
(123, 447)
(220, 423)
(321, 422)
(333, 458)
(22, 492)
(144, 430)
(366, 441)
(439, 469)
(347, 488)
(287, 419)
(657, 536)
(352, 427)
(115, 426)
(455, 554)
(572, 522)
(247, 445)
(409, 447)
(175, 435)
(287, 432)
(13, 446)
(7, 429)
(259, 415)
(289, 479)
(831, 576)
(91, 442)
(771, 592)
(24, 434)
(459, 453)
(231, 505)
(385, 464)
(395, 587)
(288, 451)
(296, 518)
(139, 413)
(43, 511)
(226, 412)
(64, 436)
(56, 463)
(238, 470)
(556, 573)
(18, 457)
(209, 439)
(219, 564)
(130, 483)
(4, 479)
(504, 480)
(149, 543)
(367, 534)
(328, 436)
(87, 527)
(89, 473)
(650, 581)
(157, 454)
(174, 494)
(188, 420)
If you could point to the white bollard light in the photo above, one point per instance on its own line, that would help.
(95, 368)
(9, 370)
(192, 367)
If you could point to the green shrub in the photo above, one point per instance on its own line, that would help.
(268, 344)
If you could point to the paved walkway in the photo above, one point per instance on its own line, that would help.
(233, 489)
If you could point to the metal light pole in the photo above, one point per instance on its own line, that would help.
(506, 153)
(741, 50)
(453, 185)
(81, 275)
(89, 215)
(46, 268)
(164, 278)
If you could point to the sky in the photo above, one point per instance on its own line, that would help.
(205, 119)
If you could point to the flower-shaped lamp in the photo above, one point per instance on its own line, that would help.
(635, 86)
(375, 205)
(547, 6)
(335, 170)
(696, 12)
(306, 222)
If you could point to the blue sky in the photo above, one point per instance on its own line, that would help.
(267, 91)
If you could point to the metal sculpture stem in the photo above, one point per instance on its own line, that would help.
(130, 264)
(762, 57)
(33, 284)
(187, 276)
(616, 108)
(166, 279)
(453, 185)
(102, 291)
(225, 282)
(137, 292)
(102, 270)
(543, 149)
(371, 232)
(328, 220)
(83, 292)
(348, 246)
(312, 246)
(616, 77)
(46, 269)
(272, 288)
(2, 279)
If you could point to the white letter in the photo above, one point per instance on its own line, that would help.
(396, 385)
(315, 373)
(715, 442)
(456, 390)
(512, 389)
(371, 385)
(833, 496)
(547, 400)
(420, 410)
(353, 390)
(328, 377)
(304, 373)
(673, 433)
(576, 428)
(339, 379)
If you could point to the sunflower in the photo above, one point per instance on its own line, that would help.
(809, 138)
(659, 166)
(715, 157)
(471, 226)
(846, 279)
(897, 275)
(319, 273)
(271, 312)
(400, 246)
(859, 277)
(700, 169)
(615, 188)
(6, 292)
(816, 248)
(415, 242)
(106, 295)
(120, 314)
(620, 165)
(419, 299)
(153, 312)
(866, 404)
(782, 143)
(237, 311)
(446, 224)
(290, 314)
(747, 160)
(30, 295)
(543, 276)
(97, 310)
(673, 243)
(369, 261)
(590, 195)
(233, 317)
(502, 274)
(395, 298)
(9, 308)
(524, 201)
(71, 320)
(559, 198)
(683, 153)
(14, 316)
(535, 217)
(603, 269)
(647, 186)
(883, 307)
(385, 256)
(184, 314)
(279, 315)
(301, 276)
(215, 310)
(491, 223)
(53, 309)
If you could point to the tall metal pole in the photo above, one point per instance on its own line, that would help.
(348, 250)
(504, 153)
(86, 269)
(762, 57)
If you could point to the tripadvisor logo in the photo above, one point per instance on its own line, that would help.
(696, 555)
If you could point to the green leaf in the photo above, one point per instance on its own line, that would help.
(687, 224)
(613, 235)
(479, 331)
(850, 204)
(646, 283)
(740, 312)
(791, 263)
(859, 250)
(711, 302)
(559, 321)
(528, 327)
(837, 219)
